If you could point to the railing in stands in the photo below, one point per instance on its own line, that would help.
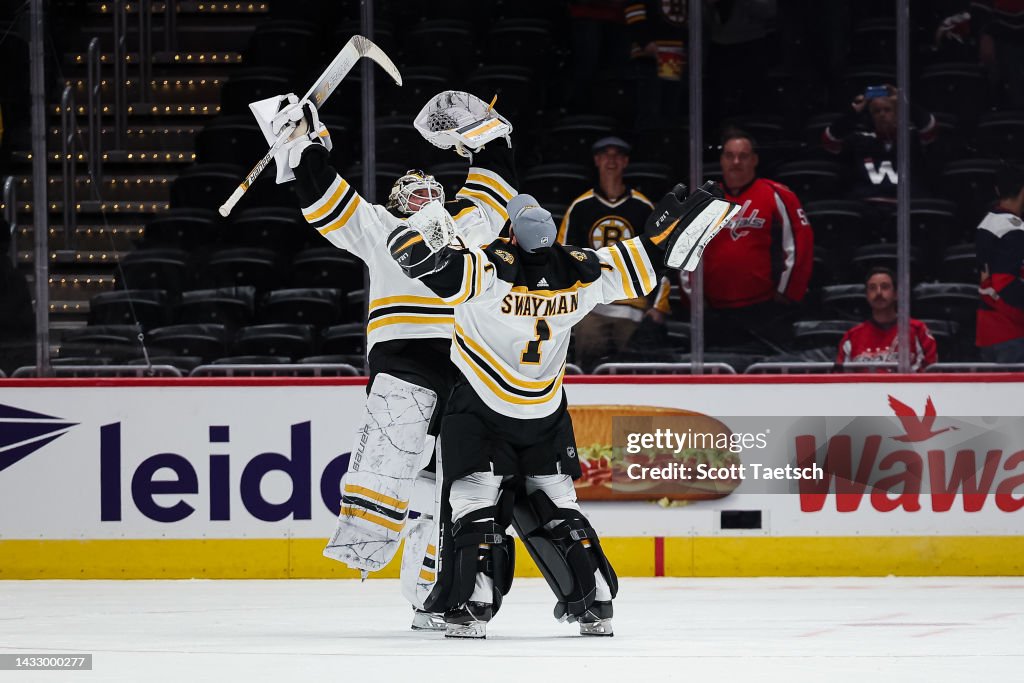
(101, 371)
(779, 368)
(120, 63)
(93, 110)
(975, 367)
(276, 370)
(662, 369)
(11, 216)
(68, 164)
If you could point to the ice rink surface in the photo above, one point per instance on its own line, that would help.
(892, 629)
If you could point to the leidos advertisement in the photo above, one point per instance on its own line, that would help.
(266, 461)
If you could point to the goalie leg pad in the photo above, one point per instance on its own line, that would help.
(391, 448)
(477, 556)
(568, 552)
(419, 560)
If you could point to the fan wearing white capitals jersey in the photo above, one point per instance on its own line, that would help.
(508, 452)
(409, 327)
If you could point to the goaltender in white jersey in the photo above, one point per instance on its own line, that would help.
(409, 327)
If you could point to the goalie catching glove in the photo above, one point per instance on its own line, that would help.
(683, 226)
(290, 126)
(418, 245)
(457, 119)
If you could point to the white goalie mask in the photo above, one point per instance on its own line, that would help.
(413, 191)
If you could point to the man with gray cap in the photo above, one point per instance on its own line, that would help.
(508, 452)
(600, 217)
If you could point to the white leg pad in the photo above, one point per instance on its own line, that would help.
(419, 560)
(391, 448)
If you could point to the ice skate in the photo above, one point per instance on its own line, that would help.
(597, 621)
(427, 621)
(468, 621)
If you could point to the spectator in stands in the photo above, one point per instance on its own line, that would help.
(17, 315)
(866, 137)
(874, 340)
(1000, 249)
(997, 27)
(658, 31)
(757, 269)
(609, 213)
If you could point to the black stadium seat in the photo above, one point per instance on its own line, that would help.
(187, 229)
(293, 341)
(167, 269)
(243, 88)
(326, 266)
(946, 301)
(282, 230)
(206, 186)
(810, 180)
(959, 263)
(242, 267)
(319, 307)
(1001, 135)
(232, 307)
(128, 306)
(206, 341)
(516, 89)
(813, 334)
(837, 223)
(347, 339)
(845, 300)
(961, 89)
(556, 182)
(228, 138)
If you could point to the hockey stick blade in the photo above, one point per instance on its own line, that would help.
(356, 48)
(335, 73)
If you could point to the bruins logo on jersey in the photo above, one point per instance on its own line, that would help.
(578, 255)
(504, 256)
(609, 230)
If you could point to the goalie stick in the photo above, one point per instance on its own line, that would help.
(356, 47)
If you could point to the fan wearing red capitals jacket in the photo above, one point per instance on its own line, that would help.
(1000, 249)
(874, 340)
(758, 268)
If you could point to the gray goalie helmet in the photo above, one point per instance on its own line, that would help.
(412, 191)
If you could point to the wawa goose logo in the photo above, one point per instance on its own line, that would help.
(23, 432)
(917, 428)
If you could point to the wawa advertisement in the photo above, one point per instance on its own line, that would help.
(658, 458)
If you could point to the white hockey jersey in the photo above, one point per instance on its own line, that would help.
(400, 307)
(513, 318)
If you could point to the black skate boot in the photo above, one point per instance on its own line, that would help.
(597, 621)
(468, 621)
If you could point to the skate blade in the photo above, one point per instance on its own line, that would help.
(476, 629)
(602, 627)
(426, 621)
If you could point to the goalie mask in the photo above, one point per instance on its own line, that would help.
(413, 191)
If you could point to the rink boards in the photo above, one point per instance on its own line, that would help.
(238, 479)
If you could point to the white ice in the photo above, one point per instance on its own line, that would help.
(835, 630)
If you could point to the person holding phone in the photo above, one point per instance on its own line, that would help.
(865, 136)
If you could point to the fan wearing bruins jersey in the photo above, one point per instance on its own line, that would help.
(609, 213)
(508, 452)
(409, 329)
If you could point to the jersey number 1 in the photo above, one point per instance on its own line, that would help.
(531, 354)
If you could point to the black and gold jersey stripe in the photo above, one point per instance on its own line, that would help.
(334, 208)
